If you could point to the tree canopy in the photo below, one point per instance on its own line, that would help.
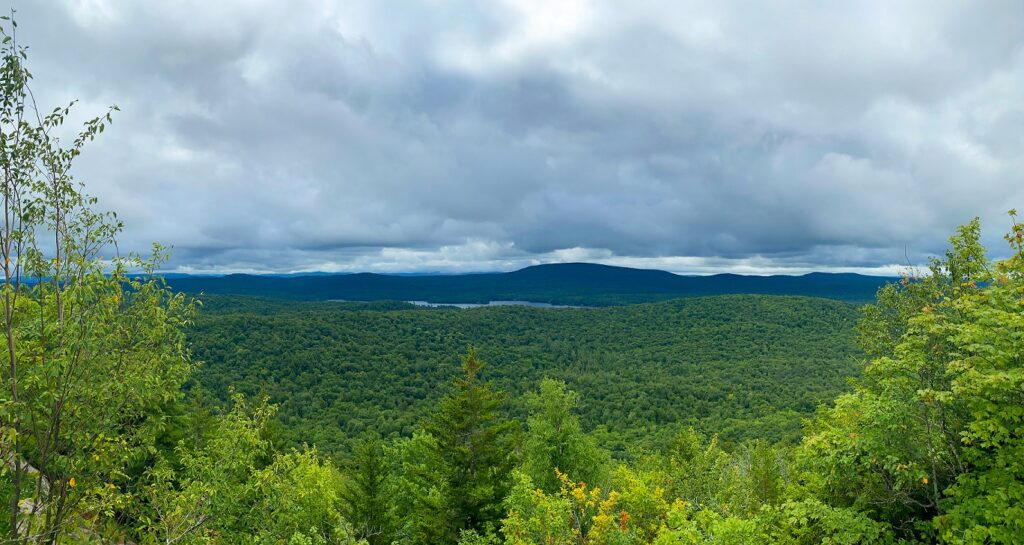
(107, 434)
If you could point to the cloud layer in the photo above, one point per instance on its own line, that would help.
(410, 135)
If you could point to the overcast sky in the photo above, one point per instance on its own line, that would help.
(408, 135)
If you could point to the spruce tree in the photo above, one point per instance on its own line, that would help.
(470, 452)
(365, 494)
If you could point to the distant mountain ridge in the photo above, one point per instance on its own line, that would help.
(561, 283)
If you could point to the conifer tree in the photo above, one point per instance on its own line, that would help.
(470, 445)
(764, 475)
(365, 493)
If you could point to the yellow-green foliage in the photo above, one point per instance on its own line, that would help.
(930, 441)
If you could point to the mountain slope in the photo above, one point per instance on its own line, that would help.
(568, 283)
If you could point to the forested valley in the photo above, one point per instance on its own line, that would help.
(131, 413)
(742, 367)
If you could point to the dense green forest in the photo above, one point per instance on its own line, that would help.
(584, 284)
(548, 433)
(741, 366)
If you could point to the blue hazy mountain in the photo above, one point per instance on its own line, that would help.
(565, 283)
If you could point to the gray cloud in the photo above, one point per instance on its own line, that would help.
(406, 135)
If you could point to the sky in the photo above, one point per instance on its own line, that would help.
(455, 136)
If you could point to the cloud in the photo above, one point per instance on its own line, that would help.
(414, 135)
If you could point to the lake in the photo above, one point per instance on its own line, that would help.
(492, 304)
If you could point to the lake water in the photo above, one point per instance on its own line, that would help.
(491, 304)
